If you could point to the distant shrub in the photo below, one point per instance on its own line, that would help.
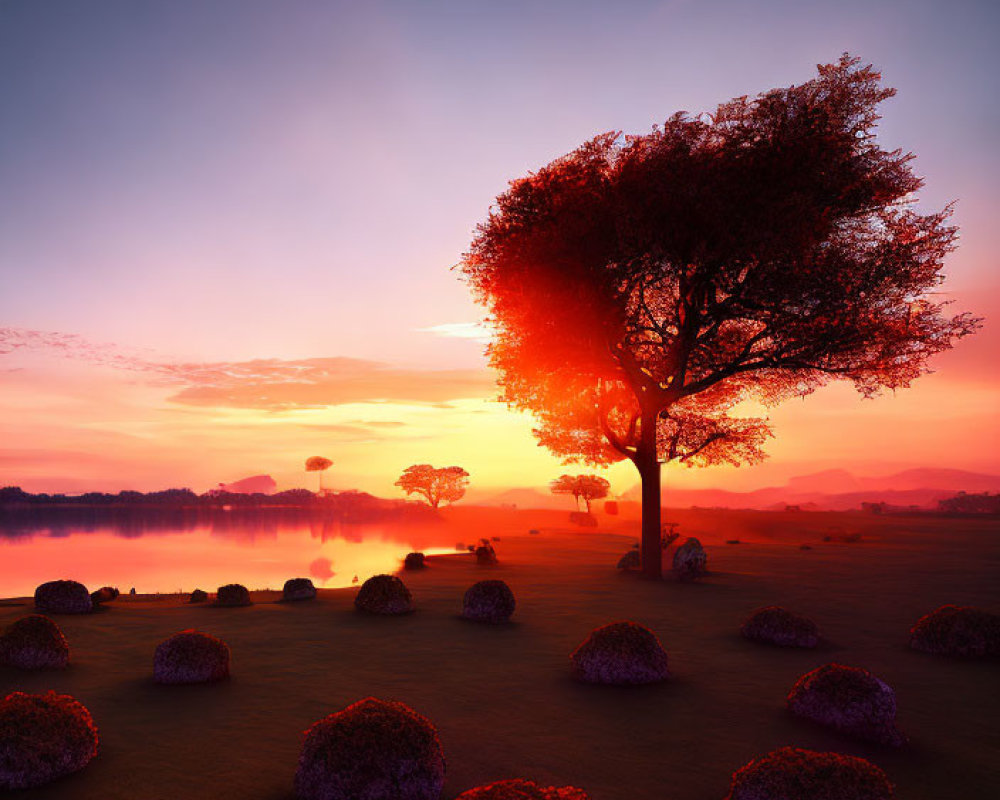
(191, 657)
(372, 750)
(233, 594)
(583, 518)
(198, 596)
(521, 789)
(384, 594)
(957, 631)
(43, 737)
(414, 561)
(690, 560)
(296, 589)
(776, 625)
(534, 532)
(850, 700)
(631, 560)
(794, 774)
(104, 595)
(63, 597)
(486, 556)
(621, 653)
(488, 601)
(34, 642)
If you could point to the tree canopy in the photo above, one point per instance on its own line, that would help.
(585, 487)
(435, 484)
(643, 286)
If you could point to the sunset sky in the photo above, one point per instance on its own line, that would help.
(227, 227)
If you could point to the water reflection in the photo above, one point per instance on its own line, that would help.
(167, 550)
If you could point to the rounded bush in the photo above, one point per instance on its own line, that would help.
(414, 561)
(198, 596)
(621, 653)
(63, 597)
(43, 737)
(690, 560)
(957, 631)
(104, 595)
(486, 556)
(372, 750)
(778, 626)
(298, 589)
(34, 642)
(191, 657)
(631, 560)
(488, 601)
(521, 789)
(850, 700)
(384, 594)
(233, 594)
(794, 774)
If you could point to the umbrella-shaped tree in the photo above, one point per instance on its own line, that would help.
(640, 287)
(585, 487)
(436, 484)
(318, 464)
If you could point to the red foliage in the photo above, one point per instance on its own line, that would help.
(521, 789)
(34, 642)
(488, 601)
(778, 626)
(43, 737)
(191, 657)
(850, 700)
(794, 774)
(958, 631)
(642, 287)
(621, 653)
(233, 594)
(372, 750)
(384, 594)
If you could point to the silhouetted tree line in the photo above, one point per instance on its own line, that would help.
(14, 495)
(963, 503)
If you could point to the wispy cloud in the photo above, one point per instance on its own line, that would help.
(478, 331)
(267, 384)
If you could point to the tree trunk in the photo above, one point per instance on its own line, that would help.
(587, 501)
(648, 464)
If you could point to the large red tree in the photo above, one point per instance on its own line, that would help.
(642, 286)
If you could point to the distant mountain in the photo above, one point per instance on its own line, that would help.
(522, 498)
(262, 484)
(832, 490)
(839, 490)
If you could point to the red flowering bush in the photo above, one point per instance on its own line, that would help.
(488, 601)
(775, 625)
(690, 560)
(233, 594)
(191, 657)
(794, 774)
(34, 642)
(43, 737)
(957, 631)
(521, 789)
(414, 561)
(372, 750)
(621, 653)
(849, 699)
(63, 597)
(384, 594)
(298, 589)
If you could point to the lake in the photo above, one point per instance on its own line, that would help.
(178, 550)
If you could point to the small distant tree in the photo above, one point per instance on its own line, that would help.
(586, 487)
(436, 484)
(320, 465)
